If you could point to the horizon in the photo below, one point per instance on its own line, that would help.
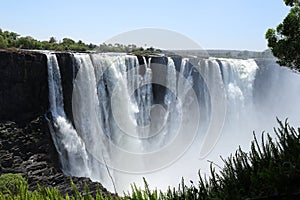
(219, 25)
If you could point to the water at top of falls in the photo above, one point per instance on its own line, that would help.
(145, 62)
(185, 79)
(171, 75)
(238, 77)
(149, 63)
(55, 89)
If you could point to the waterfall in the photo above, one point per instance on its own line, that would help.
(69, 145)
(238, 77)
(151, 119)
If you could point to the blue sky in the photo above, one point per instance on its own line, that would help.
(213, 24)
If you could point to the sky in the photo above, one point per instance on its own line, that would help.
(213, 24)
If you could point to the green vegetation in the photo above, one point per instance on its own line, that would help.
(240, 54)
(13, 40)
(284, 42)
(50, 193)
(11, 183)
(270, 170)
(126, 49)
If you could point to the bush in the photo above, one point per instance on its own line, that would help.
(10, 183)
(3, 42)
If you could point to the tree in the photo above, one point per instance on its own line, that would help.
(3, 42)
(92, 46)
(52, 40)
(284, 42)
(28, 43)
(68, 41)
(10, 35)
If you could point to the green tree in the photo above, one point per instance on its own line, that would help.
(3, 42)
(10, 35)
(28, 43)
(68, 41)
(284, 41)
(92, 46)
(68, 44)
(52, 40)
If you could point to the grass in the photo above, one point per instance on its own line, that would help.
(271, 170)
(9, 183)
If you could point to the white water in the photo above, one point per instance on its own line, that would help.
(125, 132)
(69, 145)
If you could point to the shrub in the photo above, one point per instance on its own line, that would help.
(10, 183)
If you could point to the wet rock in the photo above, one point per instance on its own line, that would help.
(68, 73)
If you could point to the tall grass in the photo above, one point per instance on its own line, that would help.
(270, 170)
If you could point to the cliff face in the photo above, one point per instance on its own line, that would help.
(68, 72)
(23, 85)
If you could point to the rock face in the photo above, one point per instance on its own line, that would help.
(26, 145)
(23, 85)
(68, 72)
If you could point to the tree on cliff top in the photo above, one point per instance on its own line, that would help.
(284, 41)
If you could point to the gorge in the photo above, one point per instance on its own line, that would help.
(115, 118)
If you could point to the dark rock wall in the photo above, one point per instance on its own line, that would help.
(67, 72)
(23, 85)
(158, 72)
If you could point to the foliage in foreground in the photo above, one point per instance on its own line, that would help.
(21, 191)
(271, 169)
(11, 183)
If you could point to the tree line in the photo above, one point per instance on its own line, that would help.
(14, 40)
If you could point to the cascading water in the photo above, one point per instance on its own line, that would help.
(69, 145)
(126, 128)
(238, 77)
